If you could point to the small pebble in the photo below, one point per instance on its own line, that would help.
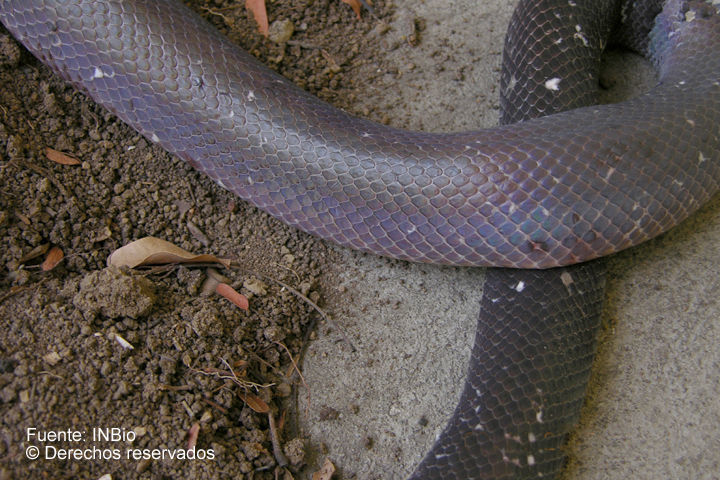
(281, 31)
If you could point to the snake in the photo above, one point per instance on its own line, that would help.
(540, 198)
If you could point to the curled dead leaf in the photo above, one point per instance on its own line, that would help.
(233, 295)
(35, 253)
(155, 251)
(54, 256)
(254, 402)
(59, 157)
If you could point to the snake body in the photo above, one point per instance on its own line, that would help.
(546, 192)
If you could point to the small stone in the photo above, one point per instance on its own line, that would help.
(274, 333)
(52, 358)
(295, 451)
(305, 287)
(281, 31)
(255, 286)
(143, 465)
(7, 394)
(284, 389)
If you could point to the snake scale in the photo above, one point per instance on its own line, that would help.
(569, 183)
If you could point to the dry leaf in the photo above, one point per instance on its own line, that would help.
(257, 7)
(34, 253)
(193, 436)
(155, 251)
(61, 158)
(356, 6)
(233, 295)
(54, 256)
(254, 402)
(325, 472)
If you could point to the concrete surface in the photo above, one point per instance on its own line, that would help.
(654, 404)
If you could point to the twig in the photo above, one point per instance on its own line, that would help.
(216, 405)
(224, 375)
(277, 448)
(175, 388)
(45, 173)
(14, 290)
(295, 367)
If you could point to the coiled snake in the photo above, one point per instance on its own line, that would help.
(548, 192)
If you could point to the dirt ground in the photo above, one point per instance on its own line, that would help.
(62, 363)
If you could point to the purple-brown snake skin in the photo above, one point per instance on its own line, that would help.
(551, 191)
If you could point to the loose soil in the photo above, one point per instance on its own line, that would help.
(63, 363)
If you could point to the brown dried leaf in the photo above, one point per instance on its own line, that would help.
(325, 472)
(59, 157)
(356, 6)
(155, 251)
(193, 436)
(54, 256)
(257, 7)
(254, 402)
(233, 295)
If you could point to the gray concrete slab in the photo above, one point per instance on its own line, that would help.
(654, 404)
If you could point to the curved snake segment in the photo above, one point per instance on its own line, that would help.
(546, 192)
(543, 193)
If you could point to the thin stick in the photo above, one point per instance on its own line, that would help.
(277, 448)
(295, 367)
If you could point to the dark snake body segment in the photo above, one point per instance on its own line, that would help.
(537, 329)
(527, 375)
(543, 193)
(551, 191)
